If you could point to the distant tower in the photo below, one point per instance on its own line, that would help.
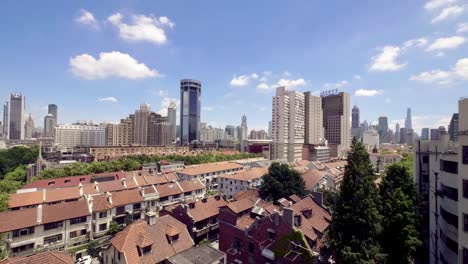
(29, 127)
(408, 124)
(383, 129)
(16, 116)
(6, 123)
(190, 105)
(336, 113)
(53, 110)
(453, 127)
(141, 125)
(355, 129)
(171, 119)
(397, 133)
(244, 128)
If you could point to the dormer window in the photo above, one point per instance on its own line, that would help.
(172, 234)
(297, 220)
(146, 250)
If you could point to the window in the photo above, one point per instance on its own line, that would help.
(103, 214)
(82, 179)
(163, 199)
(465, 155)
(22, 248)
(53, 239)
(53, 225)
(271, 234)
(120, 210)
(450, 243)
(465, 256)
(465, 188)
(102, 227)
(449, 217)
(251, 248)
(78, 233)
(78, 220)
(449, 166)
(146, 250)
(67, 181)
(23, 232)
(136, 206)
(51, 183)
(450, 192)
(187, 193)
(425, 159)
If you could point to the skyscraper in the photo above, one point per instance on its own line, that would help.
(288, 121)
(425, 133)
(53, 110)
(408, 124)
(313, 119)
(50, 122)
(453, 127)
(190, 101)
(397, 133)
(172, 120)
(383, 129)
(355, 129)
(269, 129)
(29, 127)
(336, 122)
(16, 116)
(244, 129)
(6, 108)
(141, 125)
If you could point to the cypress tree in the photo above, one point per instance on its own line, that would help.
(356, 225)
(281, 181)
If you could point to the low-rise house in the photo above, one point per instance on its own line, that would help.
(208, 172)
(49, 257)
(316, 179)
(197, 255)
(231, 183)
(46, 227)
(148, 242)
(381, 160)
(72, 181)
(250, 234)
(200, 217)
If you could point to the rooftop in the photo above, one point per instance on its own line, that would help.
(49, 257)
(246, 175)
(197, 255)
(194, 170)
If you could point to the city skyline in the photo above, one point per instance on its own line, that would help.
(385, 70)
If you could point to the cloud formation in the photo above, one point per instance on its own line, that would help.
(243, 80)
(291, 83)
(446, 43)
(111, 99)
(434, 4)
(86, 18)
(110, 64)
(458, 72)
(448, 12)
(386, 60)
(368, 92)
(143, 28)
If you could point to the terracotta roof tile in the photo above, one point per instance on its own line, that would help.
(242, 205)
(318, 221)
(49, 257)
(207, 209)
(126, 197)
(63, 211)
(12, 220)
(54, 195)
(312, 177)
(168, 189)
(246, 193)
(69, 181)
(209, 167)
(127, 240)
(246, 175)
(191, 185)
(25, 199)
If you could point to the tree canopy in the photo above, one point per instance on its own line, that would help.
(281, 181)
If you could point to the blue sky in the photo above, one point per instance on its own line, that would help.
(99, 60)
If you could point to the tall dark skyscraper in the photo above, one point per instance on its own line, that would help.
(408, 124)
(53, 110)
(190, 101)
(50, 120)
(16, 116)
(383, 129)
(453, 127)
(355, 117)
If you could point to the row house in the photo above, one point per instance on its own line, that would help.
(46, 227)
(248, 233)
(234, 182)
(208, 172)
(200, 217)
(113, 153)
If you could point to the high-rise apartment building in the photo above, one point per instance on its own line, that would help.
(244, 129)
(441, 177)
(190, 105)
(5, 129)
(80, 134)
(141, 124)
(16, 116)
(314, 132)
(408, 123)
(172, 120)
(383, 129)
(29, 127)
(355, 125)
(50, 120)
(425, 133)
(453, 127)
(269, 129)
(397, 133)
(288, 124)
(336, 114)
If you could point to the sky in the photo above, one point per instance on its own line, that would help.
(99, 60)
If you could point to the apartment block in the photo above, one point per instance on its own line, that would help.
(231, 183)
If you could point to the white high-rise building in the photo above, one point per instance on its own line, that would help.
(69, 136)
(313, 119)
(171, 119)
(141, 125)
(288, 124)
(29, 127)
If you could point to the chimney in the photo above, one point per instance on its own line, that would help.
(142, 191)
(80, 187)
(124, 182)
(109, 197)
(288, 216)
(90, 203)
(39, 214)
(318, 198)
(96, 186)
(44, 195)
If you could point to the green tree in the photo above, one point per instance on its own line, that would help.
(281, 181)
(93, 249)
(399, 238)
(114, 228)
(329, 197)
(356, 224)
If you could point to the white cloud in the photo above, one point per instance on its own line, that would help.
(111, 99)
(446, 43)
(143, 28)
(166, 101)
(163, 93)
(86, 18)
(387, 60)
(448, 12)
(110, 64)
(243, 80)
(287, 74)
(368, 92)
(462, 27)
(434, 4)
(291, 83)
(458, 71)
(263, 86)
(419, 42)
(357, 77)
(207, 108)
(335, 85)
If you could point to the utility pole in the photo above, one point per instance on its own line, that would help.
(436, 216)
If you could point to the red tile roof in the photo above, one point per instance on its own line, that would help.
(206, 208)
(312, 177)
(246, 175)
(64, 211)
(319, 220)
(13, 220)
(242, 205)
(127, 241)
(49, 257)
(25, 199)
(69, 181)
(168, 189)
(194, 170)
(246, 193)
(191, 185)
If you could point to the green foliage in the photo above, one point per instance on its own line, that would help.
(13, 157)
(114, 228)
(283, 245)
(399, 238)
(11, 182)
(93, 249)
(356, 224)
(408, 162)
(205, 241)
(281, 181)
(329, 197)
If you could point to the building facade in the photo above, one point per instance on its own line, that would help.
(190, 110)
(80, 134)
(314, 133)
(29, 127)
(453, 127)
(336, 114)
(16, 116)
(172, 120)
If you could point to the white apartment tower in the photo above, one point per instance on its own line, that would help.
(171, 119)
(313, 119)
(86, 135)
(288, 124)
